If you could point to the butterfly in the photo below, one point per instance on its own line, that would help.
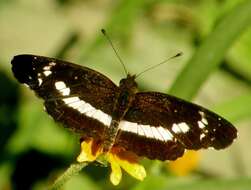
(150, 124)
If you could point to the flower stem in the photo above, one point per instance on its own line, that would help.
(71, 171)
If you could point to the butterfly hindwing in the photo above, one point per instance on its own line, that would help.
(74, 95)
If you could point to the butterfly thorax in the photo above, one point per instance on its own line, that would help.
(125, 96)
(127, 90)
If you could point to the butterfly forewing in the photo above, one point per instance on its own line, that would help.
(74, 95)
(166, 120)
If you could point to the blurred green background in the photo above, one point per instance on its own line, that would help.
(214, 71)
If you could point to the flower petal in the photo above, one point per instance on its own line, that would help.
(185, 164)
(86, 154)
(134, 169)
(117, 157)
(116, 174)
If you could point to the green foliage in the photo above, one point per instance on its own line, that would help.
(162, 183)
(210, 54)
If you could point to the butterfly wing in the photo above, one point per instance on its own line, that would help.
(74, 95)
(160, 126)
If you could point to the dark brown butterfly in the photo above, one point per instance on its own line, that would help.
(150, 124)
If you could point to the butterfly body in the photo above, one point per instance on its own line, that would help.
(125, 97)
(150, 124)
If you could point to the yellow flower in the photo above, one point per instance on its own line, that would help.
(184, 165)
(117, 157)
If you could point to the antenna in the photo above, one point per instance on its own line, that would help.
(109, 40)
(154, 66)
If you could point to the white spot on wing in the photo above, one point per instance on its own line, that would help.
(52, 63)
(202, 136)
(105, 119)
(147, 130)
(60, 85)
(176, 129)
(204, 120)
(140, 131)
(201, 113)
(212, 139)
(158, 133)
(201, 125)
(128, 126)
(66, 92)
(47, 68)
(76, 105)
(83, 107)
(165, 133)
(180, 128)
(40, 81)
(184, 127)
(87, 109)
(70, 100)
(91, 112)
(47, 73)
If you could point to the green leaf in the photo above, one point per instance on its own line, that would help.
(223, 184)
(209, 55)
(81, 182)
(39, 131)
(120, 23)
(239, 56)
(191, 183)
(240, 105)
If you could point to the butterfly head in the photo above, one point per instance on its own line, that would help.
(129, 83)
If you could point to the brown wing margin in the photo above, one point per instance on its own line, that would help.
(157, 109)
